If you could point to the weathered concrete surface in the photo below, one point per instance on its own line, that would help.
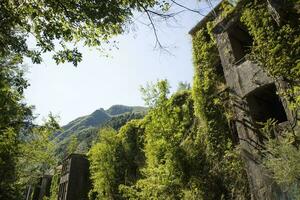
(244, 78)
(74, 181)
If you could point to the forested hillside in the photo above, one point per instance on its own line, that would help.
(83, 130)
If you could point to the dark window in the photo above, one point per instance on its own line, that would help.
(219, 69)
(265, 104)
(240, 40)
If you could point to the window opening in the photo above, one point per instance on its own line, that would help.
(219, 70)
(241, 42)
(265, 104)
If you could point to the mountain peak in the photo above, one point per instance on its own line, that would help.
(121, 109)
(86, 128)
(118, 109)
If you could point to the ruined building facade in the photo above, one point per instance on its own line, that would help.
(74, 182)
(254, 99)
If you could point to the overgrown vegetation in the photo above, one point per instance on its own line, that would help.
(183, 148)
(14, 115)
(185, 140)
(276, 45)
(276, 48)
(26, 151)
(212, 110)
(55, 184)
(165, 155)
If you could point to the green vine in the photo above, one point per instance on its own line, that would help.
(276, 48)
(209, 95)
(54, 185)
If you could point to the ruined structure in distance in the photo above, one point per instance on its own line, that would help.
(74, 181)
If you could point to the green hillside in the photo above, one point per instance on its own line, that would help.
(84, 129)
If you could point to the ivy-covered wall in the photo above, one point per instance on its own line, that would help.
(275, 32)
(211, 104)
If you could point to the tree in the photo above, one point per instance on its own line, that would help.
(15, 118)
(73, 144)
(115, 159)
(37, 152)
(282, 156)
(25, 149)
(132, 141)
(58, 26)
(167, 124)
(166, 155)
(93, 22)
(105, 164)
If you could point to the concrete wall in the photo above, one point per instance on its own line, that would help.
(245, 78)
(75, 182)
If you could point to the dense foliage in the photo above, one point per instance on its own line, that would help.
(15, 116)
(276, 48)
(55, 184)
(282, 158)
(26, 152)
(62, 22)
(213, 111)
(185, 147)
(276, 43)
(51, 26)
(105, 158)
(37, 154)
(164, 156)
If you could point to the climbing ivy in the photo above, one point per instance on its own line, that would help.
(276, 45)
(276, 49)
(210, 97)
(55, 185)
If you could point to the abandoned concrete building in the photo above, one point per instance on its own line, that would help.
(254, 96)
(74, 182)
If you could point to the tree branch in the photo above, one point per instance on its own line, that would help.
(154, 28)
(188, 9)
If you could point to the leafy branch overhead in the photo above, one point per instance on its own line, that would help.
(67, 22)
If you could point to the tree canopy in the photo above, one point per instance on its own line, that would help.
(63, 22)
(26, 151)
(15, 117)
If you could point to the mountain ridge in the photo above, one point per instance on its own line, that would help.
(85, 128)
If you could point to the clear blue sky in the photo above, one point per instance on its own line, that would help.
(99, 81)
